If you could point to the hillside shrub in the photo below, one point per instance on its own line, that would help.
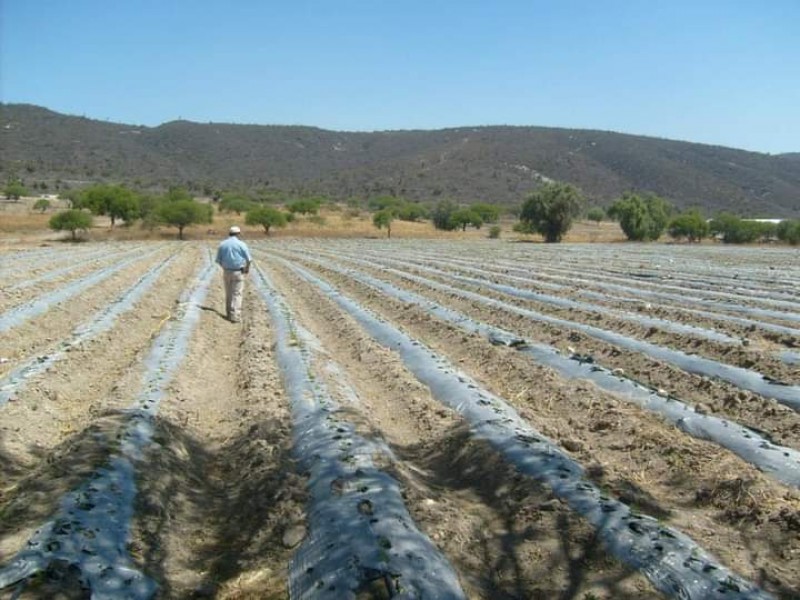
(494, 232)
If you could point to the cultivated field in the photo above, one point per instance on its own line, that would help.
(401, 418)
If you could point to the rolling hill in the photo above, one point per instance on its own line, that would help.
(499, 164)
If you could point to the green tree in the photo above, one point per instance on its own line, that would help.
(690, 225)
(489, 213)
(73, 197)
(734, 230)
(42, 204)
(596, 214)
(308, 206)
(466, 216)
(383, 218)
(237, 204)
(412, 212)
(266, 216)
(14, 190)
(789, 231)
(182, 213)
(551, 209)
(441, 215)
(641, 217)
(381, 202)
(176, 193)
(116, 202)
(71, 220)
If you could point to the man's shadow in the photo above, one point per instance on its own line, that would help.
(214, 310)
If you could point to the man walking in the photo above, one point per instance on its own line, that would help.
(234, 257)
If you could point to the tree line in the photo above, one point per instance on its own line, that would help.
(550, 211)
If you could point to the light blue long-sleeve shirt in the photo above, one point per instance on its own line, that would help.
(233, 254)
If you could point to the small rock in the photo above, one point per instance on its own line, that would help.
(702, 409)
(293, 536)
(618, 372)
(572, 445)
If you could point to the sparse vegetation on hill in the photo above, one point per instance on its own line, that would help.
(498, 165)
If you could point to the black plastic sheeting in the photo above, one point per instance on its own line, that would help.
(361, 534)
(37, 306)
(789, 395)
(672, 561)
(578, 285)
(91, 528)
(103, 320)
(780, 462)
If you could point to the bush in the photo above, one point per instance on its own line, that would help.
(596, 214)
(494, 232)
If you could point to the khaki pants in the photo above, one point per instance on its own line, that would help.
(234, 289)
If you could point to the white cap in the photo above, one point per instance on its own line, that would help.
(234, 230)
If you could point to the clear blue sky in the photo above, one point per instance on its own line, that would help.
(713, 71)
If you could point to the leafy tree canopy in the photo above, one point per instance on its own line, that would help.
(690, 225)
(489, 213)
(266, 216)
(307, 206)
(383, 218)
(117, 202)
(596, 214)
(789, 231)
(551, 210)
(641, 217)
(734, 230)
(462, 217)
(441, 215)
(71, 220)
(14, 190)
(182, 213)
(42, 204)
(237, 204)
